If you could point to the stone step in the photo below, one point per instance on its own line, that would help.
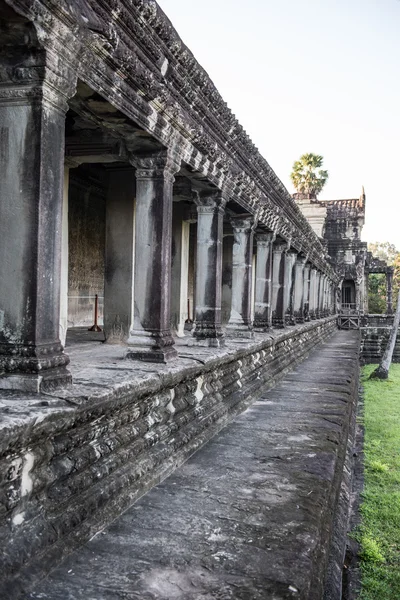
(249, 516)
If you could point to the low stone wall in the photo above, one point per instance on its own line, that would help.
(374, 339)
(68, 467)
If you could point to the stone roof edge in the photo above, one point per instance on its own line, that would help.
(98, 32)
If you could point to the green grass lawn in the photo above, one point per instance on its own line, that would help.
(379, 533)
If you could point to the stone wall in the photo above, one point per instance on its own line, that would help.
(70, 466)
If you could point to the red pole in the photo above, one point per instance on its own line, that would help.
(95, 327)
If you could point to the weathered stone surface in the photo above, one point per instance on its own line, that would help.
(240, 324)
(34, 89)
(130, 55)
(263, 287)
(150, 337)
(250, 516)
(73, 460)
(210, 209)
(375, 331)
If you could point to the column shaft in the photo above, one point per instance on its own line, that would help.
(298, 302)
(210, 209)
(64, 261)
(150, 338)
(32, 133)
(306, 292)
(278, 281)
(313, 282)
(263, 292)
(318, 295)
(240, 324)
(290, 275)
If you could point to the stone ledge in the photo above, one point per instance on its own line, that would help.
(73, 465)
(251, 515)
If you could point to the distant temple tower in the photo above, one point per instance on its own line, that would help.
(339, 224)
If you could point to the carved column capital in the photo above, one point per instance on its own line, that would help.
(208, 201)
(279, 248)
(31, 73)
(301, 260)
(264, 239)
(157, 165)
(242, 224)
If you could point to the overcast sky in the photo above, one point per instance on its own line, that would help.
(317, 76)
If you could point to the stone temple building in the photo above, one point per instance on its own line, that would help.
(339, 223)
(128, 185)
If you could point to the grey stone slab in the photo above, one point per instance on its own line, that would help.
(248, 516)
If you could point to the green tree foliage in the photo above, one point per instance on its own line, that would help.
(307, 175)
(377, 283)
(384, 250)
(376, 294)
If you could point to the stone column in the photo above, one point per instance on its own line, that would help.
(332, 298)
(306, 291)
(329, 297)
(33, 101)
(227, 250)
(313, 281)
(321, 296)
(150, 337)
(366, 290)
(278, 281)
(263, 292)
(210, 215)
(389, 292)
(298, 300)
(64, 260)
(324, 292)
(317, 299)
(289, 286)
(240, 324)
(119, 255)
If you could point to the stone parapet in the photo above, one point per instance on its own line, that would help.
(75, 459)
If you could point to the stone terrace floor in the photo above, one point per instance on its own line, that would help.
(245, 517)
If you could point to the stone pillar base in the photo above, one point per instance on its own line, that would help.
(207, 334)
(290, 320)
(211, 342)
(48, 381)
(278, 323)
(155, 356)
(240, 331)
(144, 346)
(35, 369)
(261, 326)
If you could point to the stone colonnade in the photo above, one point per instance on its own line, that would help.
(288, 289)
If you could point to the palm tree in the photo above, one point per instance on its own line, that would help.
(306, 177)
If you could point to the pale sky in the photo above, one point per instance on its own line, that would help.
(318, 76)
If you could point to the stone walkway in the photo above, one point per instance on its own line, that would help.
(248, 517)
